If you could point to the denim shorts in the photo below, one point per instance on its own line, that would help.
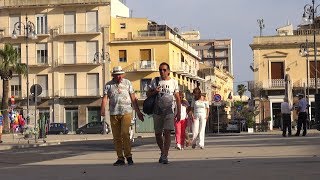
(161, 122)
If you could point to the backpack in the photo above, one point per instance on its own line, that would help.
(148, 104)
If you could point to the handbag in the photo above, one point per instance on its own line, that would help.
(148, 104)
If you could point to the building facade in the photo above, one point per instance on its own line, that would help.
(277, 62)
(63, 60)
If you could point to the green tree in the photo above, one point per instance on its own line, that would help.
(9, 64)
(241, 89)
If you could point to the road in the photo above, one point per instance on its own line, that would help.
(224, 157)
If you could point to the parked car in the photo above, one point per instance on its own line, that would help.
(233, 126)
(94, 127)
(58, 128)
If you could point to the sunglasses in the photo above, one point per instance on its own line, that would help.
(164, 70)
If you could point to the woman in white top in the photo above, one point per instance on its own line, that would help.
(200, 110)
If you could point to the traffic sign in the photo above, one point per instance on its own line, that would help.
(217, 103)
(217, 98)
(36, 89)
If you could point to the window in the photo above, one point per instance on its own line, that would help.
(13, 20)
(70, 85)
(42, 80)
(93, 84)
(122, 56)
(94, 114)
(145, 54)
(69, 53)
(42, 24)
(92, 48)
(92, 21)
(277, 70)
(69, 22)
(17, 47)
(313, 71)
(42, 53)
(122, 25)
(15, 86)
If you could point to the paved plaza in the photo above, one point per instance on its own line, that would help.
(226, 156)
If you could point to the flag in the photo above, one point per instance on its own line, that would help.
(230, 96)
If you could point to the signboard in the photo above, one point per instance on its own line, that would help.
(217, 103)
(216, 98)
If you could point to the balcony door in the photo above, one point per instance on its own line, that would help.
(277, 74)
(70, 85)
(69, 22)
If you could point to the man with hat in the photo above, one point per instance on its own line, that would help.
(121, 96)
(302, 115)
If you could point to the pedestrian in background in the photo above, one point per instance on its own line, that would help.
(302, 115)
(1, 124)
(180, 125)
(121, 96)
(200, 111)
(167, 102)
(286, 109)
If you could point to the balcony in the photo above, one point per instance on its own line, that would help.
(80, 60)
(78, 92)
(6, 32)
(76, 29)
(143, 65)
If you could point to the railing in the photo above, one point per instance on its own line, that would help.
(277, 83)
(151, 33)
(7, 32)
(312, 82)
(72, 59)
(73, 92)
(37, 61)
(16, 3)
(143, 65)
(76, 28)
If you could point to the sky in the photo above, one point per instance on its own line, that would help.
(220, 19)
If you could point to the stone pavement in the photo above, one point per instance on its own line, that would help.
(11, 141)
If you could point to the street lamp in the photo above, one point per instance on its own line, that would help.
(103, 55)
(29, 32)
(261, 25)
(304, 51)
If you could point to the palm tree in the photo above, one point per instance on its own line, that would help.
(241, 89)
(9, 64)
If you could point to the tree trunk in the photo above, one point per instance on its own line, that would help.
(5, 100)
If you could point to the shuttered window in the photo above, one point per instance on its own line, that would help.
(313, 70)
(92, 21)
(277, 70)
(69, 22)
(42, 80)
(42, 53)
(13, 20)
(145, 54)
(70, 85)
(122, 55)
(92, 49)
(69, 53)
(93, 84)
(15, 85)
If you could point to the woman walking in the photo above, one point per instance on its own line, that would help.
(180, 125)
(200, 110)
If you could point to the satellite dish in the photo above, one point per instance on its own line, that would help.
(176, 29)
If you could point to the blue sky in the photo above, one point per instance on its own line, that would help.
(218, 19)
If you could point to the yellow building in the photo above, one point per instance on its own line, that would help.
(139, 46)
(64, 58)
(277, 57)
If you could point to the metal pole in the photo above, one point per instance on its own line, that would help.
(315, 47)
(103, 84)
(35, 112)
(218, 119)
(26, 33)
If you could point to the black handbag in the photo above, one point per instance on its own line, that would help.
(148, 104)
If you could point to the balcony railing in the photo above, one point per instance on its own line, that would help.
(8, 3)
(69, 29)
(80, 92)
(277, 83)
(143, 65)
(74, 60)
(151, 33)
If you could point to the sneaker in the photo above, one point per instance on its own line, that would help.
(178, 146)
(119, 162)
(165, 160)
(130, 161)
(1, 141)
(201, 147)
(161, 159)
(193, 146)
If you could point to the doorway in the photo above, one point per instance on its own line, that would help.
(71, 115)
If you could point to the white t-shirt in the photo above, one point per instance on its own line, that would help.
(165, 102)
(200, 106)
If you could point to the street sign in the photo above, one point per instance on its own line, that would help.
(216, 98)
(217, 103)
(36, 88)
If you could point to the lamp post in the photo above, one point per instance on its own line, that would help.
(304, 51)
(309, 16)
(103, 55)
(29, 32)
(261, 25)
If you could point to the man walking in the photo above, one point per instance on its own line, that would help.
(167, 109)
(286, 109)
(302, 115)
(120, 93)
